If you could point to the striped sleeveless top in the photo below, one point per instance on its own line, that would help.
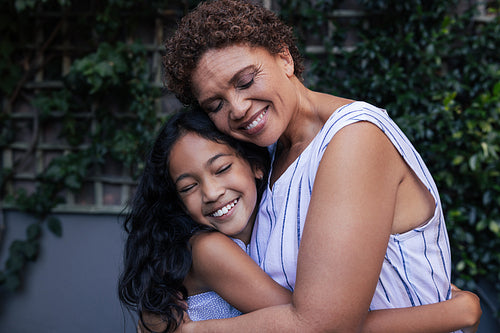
(417, 264)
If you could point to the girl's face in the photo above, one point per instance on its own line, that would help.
(216, 185)
(246, 91)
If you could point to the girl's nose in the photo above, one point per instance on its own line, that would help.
(212, 190)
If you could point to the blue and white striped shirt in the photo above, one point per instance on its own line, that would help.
(416, 269)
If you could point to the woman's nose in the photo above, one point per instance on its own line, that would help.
(239, 106)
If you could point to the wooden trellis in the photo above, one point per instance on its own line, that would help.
(53, 48)
(54, 44)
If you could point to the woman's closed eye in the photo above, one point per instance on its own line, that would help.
(213, 108)
(246, 81)
(243, 83)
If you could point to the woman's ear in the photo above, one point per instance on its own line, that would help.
(287, 61)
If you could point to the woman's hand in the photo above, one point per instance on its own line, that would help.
(472, 304)
(155, 323)
(185, 325)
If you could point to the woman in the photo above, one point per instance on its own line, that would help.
(346, 185)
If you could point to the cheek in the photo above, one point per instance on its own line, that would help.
(250, 185)
(191, 206)
(220, 121)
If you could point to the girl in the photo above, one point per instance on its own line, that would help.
(168, 256)
(197, 180)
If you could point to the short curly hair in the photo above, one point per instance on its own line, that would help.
(217, 24)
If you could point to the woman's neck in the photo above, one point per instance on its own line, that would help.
(312, 112)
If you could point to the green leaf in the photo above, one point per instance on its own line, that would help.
(33, 231)
(473, 162)
(55, 226)
(15, 262)
(12, 282)
(481, 225)
(458, 160)
(31, 250)
(72, 182)
(494, 227)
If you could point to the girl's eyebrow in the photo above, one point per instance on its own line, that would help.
(214, 158)
(210, 161)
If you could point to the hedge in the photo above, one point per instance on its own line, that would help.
(433, 65)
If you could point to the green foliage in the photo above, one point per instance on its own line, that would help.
(22, 5)
(113, 83)
(434, 69)
(437, 72)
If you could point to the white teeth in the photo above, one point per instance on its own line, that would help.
(224, 210)
(256, 121)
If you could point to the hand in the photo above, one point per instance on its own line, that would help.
(153, 322)
(472, 305)
(156, 324)
(185, 325)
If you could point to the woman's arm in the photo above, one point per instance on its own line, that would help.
(462, 311)
(226, 269)
(344, 240)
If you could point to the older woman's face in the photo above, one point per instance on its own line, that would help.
(246, 91)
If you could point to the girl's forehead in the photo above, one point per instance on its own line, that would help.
(193, 154)
(195, 146)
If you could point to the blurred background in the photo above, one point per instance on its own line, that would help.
(82, 97)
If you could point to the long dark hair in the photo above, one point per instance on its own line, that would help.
(157, 255)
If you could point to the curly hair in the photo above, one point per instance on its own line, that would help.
(217, 24)
(157, 254)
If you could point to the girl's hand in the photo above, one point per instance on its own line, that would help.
(472, 303)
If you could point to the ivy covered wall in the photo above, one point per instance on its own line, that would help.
(435, 66)
(82, 96)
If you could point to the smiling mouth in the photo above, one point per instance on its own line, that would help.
(224, 210)
(256, 121)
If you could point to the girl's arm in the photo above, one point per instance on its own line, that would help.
(344, 241)
(219, 264)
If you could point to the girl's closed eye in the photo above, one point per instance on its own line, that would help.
(187, 188)
(224, 168)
